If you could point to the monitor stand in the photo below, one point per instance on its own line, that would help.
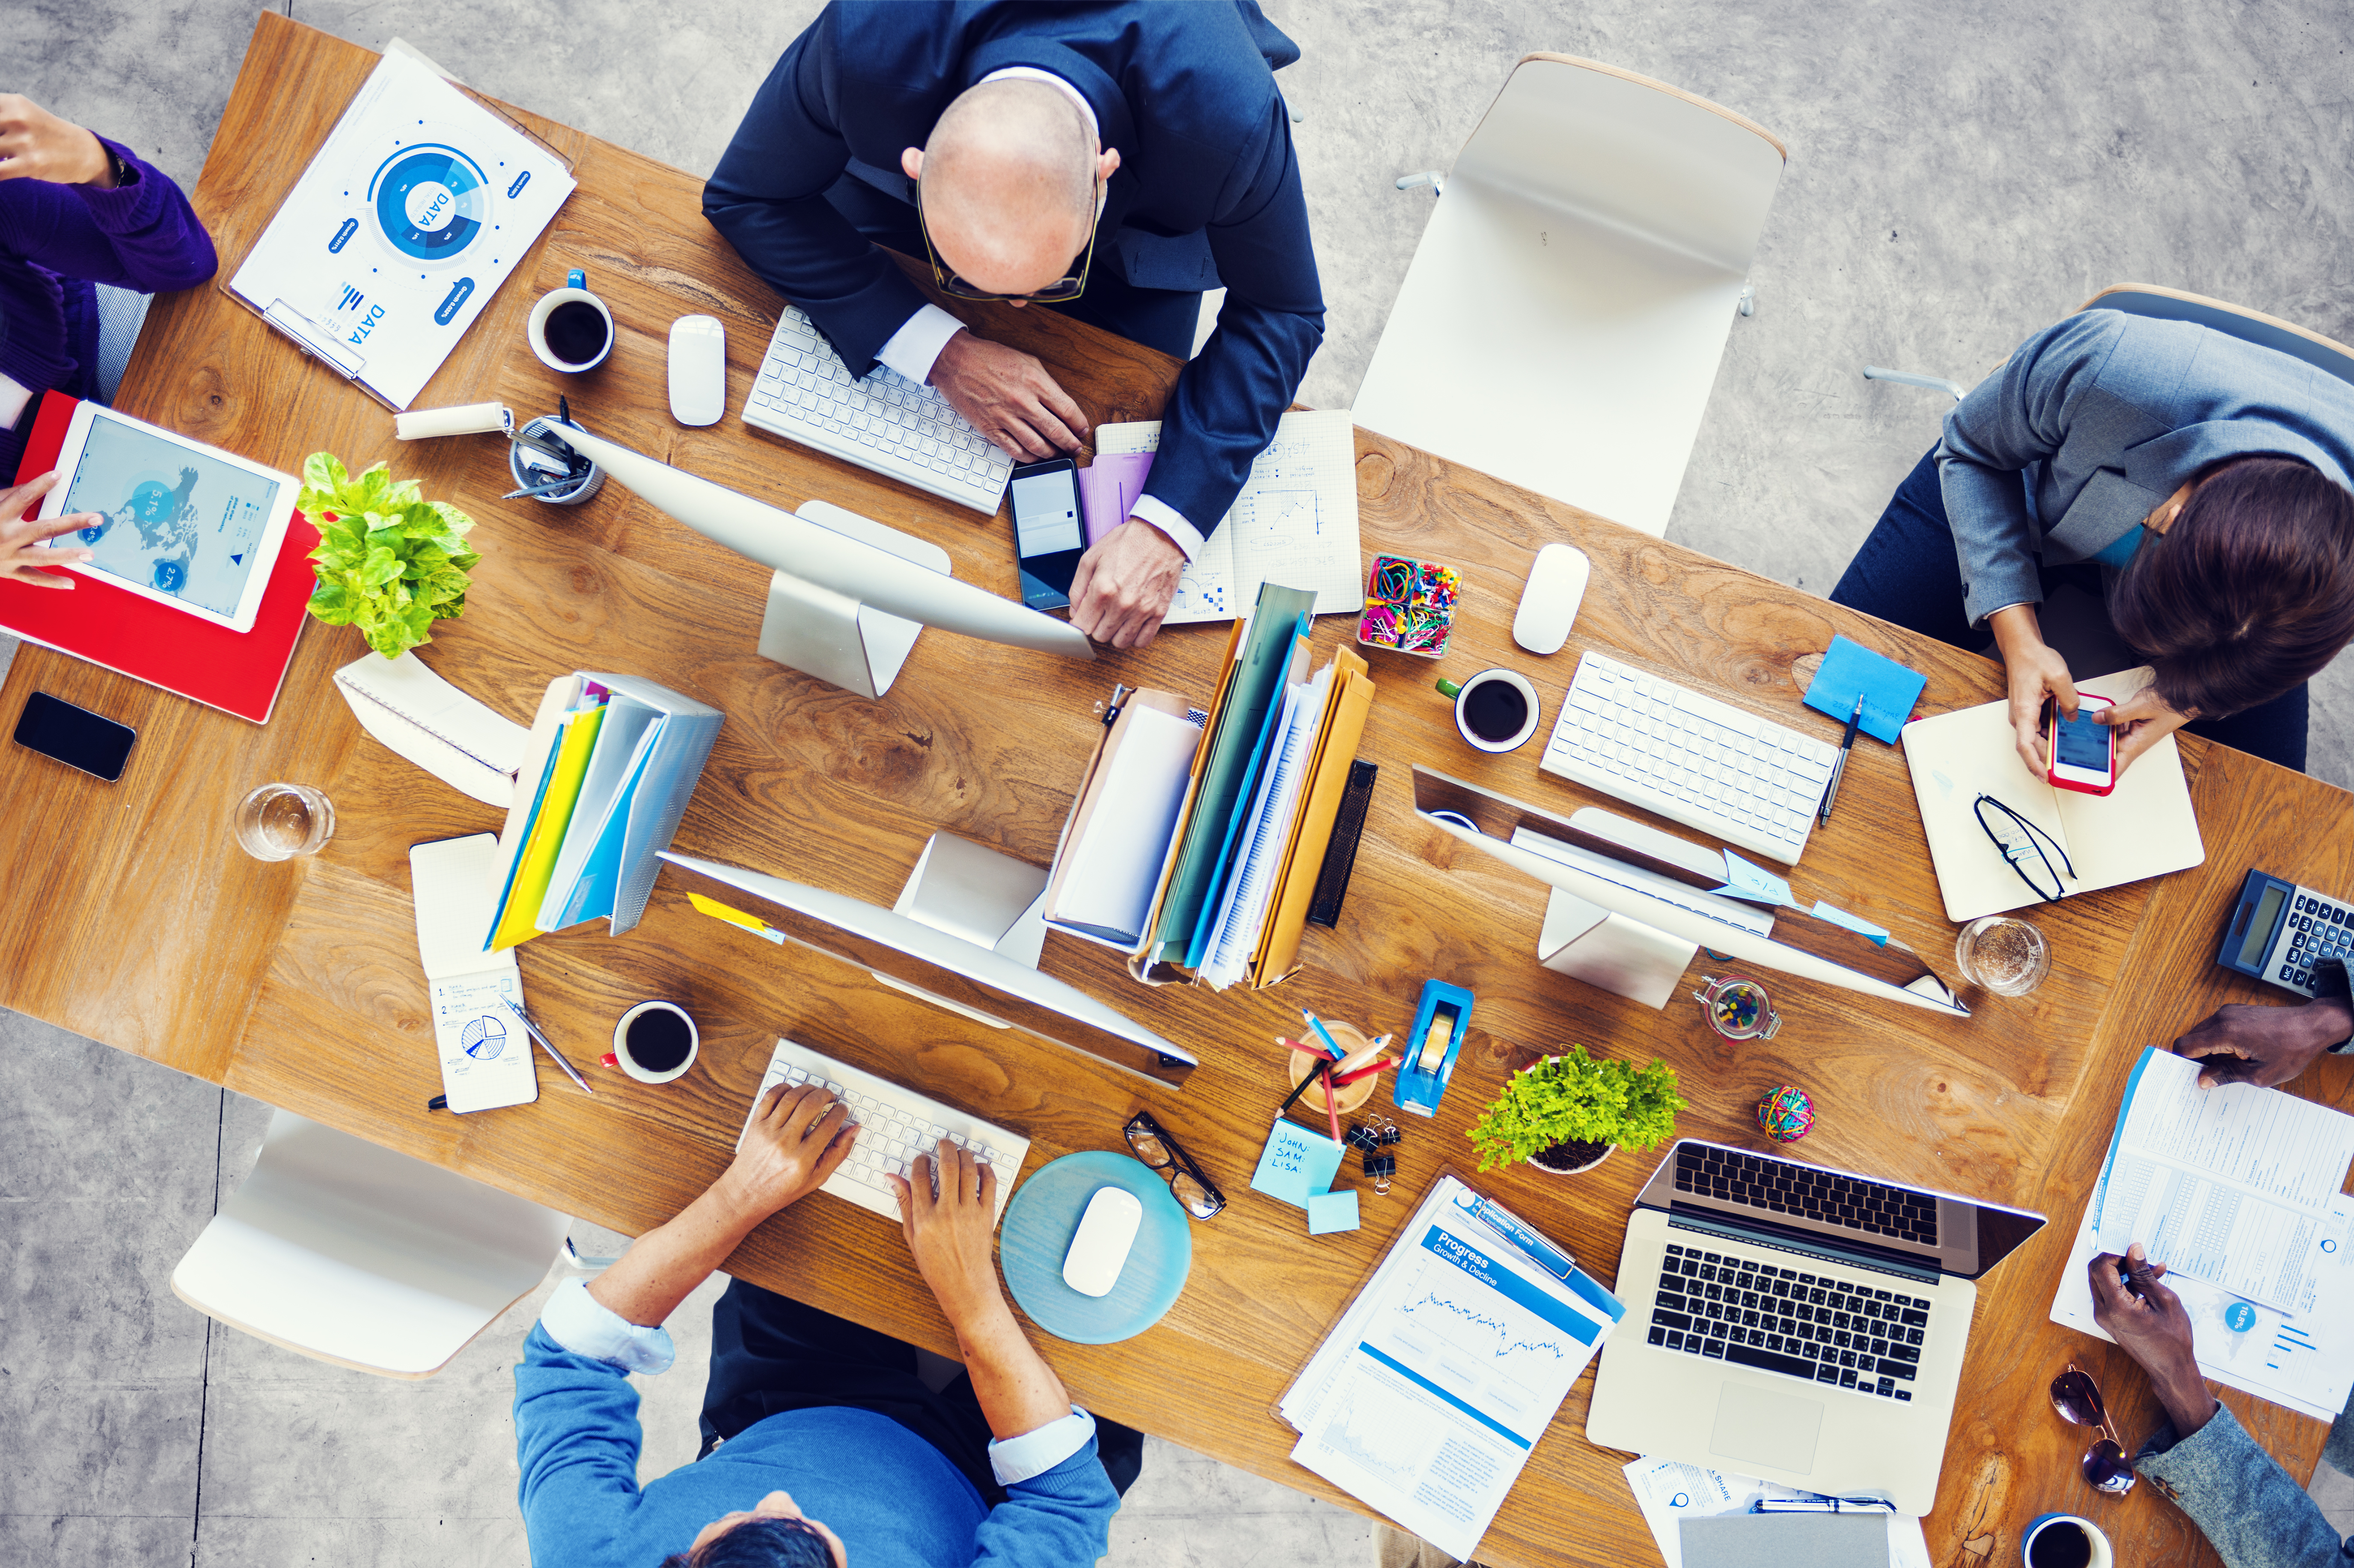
(833, 637)
(970, 891)
(1611, 952)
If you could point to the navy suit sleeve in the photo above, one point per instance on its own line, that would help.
(1229, 399)
(767, 197)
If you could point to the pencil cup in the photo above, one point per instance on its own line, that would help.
(532, 467)
(1353, 1096)
(2065, 1541)
(654, 1043)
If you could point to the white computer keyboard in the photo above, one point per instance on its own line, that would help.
(896, 1124)
(1691, 758)
(886, 422)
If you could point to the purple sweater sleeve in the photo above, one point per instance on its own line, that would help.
(142, 235)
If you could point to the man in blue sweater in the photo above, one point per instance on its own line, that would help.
(828, 1479)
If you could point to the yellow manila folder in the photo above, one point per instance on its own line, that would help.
(1277, 956)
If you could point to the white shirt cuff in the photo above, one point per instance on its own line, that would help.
(915, 346)
(1017, 1459)
(1170, 521)
(587, 1327)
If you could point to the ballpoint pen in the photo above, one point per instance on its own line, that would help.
(547, 1045)
(1838, 763)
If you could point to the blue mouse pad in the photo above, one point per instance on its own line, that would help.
(1043, 1217)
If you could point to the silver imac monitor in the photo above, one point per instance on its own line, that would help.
(965, 937)
(847, 595)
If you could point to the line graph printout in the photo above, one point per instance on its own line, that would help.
(2232, 1185)
(1431, 1391)
(1294, 524)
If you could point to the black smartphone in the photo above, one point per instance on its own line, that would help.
(1048, 539)
(75, 736)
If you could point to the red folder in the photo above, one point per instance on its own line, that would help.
(236, 672)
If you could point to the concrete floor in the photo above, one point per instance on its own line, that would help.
(1958, 177)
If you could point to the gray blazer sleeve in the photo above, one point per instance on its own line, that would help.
(2239, 1497)
(2015, 417)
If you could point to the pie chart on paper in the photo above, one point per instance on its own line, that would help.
(430, 202)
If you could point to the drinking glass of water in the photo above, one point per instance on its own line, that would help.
(279, 821)
(2006, 957)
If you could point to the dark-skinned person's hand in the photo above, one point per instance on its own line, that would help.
(2242, 1042)
(2149, 1322)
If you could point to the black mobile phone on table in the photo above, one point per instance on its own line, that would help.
(1048, 539)
(75, 736)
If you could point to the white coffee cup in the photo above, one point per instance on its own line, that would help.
(536, 329)
(623, 1058)
(2102, 1556)
(1467, 703)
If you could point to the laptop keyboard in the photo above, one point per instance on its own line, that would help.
(1785, 1187)
(1817, 1327)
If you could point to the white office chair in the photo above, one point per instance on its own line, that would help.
(350, 1252)
(1563, 316)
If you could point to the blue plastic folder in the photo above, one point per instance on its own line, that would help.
(1889, 689)
(1297, 1163)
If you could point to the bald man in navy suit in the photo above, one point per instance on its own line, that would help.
(1110, 161)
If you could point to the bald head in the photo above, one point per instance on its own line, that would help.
(1009, 180)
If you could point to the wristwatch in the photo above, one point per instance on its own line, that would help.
(115, 166)
(2330, 984)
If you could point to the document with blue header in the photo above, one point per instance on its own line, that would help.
(1440, 1378)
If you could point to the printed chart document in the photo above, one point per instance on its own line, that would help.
(1294, 521)
(2230, 1185)
(485, 1054)
(1668, 1493)
(1441, 1377)
(411, 215)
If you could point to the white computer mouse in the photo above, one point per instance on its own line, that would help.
(698, 370)
(1099, 1250)
(1549, 603)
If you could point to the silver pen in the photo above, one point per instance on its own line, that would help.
(548, 1045)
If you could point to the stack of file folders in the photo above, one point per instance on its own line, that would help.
(1196, 838)
(607, 774)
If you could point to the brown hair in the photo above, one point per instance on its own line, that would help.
(2250, 593)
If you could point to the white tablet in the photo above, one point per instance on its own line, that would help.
(184, 524)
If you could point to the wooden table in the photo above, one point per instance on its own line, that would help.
(132, 917)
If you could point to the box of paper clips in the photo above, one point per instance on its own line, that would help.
(1410, 606)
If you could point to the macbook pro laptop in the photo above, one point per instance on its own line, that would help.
(1795, 1323)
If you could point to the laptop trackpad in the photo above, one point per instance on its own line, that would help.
(1777, 1429)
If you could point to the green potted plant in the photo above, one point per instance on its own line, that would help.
(389, 561)
(1566, 1113)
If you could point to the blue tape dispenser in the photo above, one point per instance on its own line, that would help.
(1432, 1044)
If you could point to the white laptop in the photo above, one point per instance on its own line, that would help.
(1796, 1323)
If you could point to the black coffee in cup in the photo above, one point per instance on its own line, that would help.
(575, 330)
(659, 1040)
(2060, 1544)
(1495, 711)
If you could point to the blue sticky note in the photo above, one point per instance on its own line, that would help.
(1855, 923)
(1888, 690)
(1743, 880)
(1330, 1211)
(1297, 1163)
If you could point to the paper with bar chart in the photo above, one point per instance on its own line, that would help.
(1442, 1376)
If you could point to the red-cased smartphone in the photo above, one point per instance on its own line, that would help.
(2084, 756)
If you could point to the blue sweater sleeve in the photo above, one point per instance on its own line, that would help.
(1061, 1519)
(577, 1437)
(142, 235)
(1230, 397)
(2239, 1497)
(2016, 417)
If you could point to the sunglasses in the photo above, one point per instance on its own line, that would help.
(2023, 844)
(1154, 1144)
(2077, 1398)
(1061, 292)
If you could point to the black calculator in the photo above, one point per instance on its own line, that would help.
(2278, 931)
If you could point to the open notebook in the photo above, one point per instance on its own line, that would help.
(2143, 828)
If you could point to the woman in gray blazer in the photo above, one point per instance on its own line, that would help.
(2196, 482)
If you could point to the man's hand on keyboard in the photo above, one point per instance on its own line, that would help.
(950, 1234)
(797, 1138)
(1009, 398)
(1125, 583)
